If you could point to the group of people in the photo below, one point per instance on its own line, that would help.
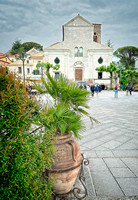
(30, 90)
(92, 88)
(95, 88)
(128, 89)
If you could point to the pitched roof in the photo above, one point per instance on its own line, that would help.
(33, 51)
(2, 55)
(78, 17)
(14, 55)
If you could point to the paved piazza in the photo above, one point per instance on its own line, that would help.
(112, 145)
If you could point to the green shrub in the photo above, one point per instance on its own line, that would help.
(23, 156)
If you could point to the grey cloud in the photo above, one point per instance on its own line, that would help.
(12, 20)
(42, 20)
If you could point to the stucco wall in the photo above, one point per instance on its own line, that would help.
(78, 32)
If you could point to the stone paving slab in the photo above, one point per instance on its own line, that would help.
(114, 162)
(105, 184)
(126, 153)
(129, 185)
(122, 173)
(104, 153)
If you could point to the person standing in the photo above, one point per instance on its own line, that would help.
(121, 87)
(96, 89)
(84, 86)
(88, 87)
(130, 89)
(116, 91)
(100, 88)
(80, 86)
(127, 89)
(92, 89)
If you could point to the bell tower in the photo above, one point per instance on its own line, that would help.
(97, 33)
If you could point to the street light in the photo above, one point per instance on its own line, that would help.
(22, 57)
(23, 60)
(42, 66)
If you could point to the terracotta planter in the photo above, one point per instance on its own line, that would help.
(67, 163)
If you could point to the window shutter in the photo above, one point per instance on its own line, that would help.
(80, 52)
(76, 51)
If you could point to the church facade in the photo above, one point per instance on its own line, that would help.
(80, 52)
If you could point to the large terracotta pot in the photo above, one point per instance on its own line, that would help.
(67, 163)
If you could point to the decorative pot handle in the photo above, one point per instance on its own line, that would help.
(74, 149)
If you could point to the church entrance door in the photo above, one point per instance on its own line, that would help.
(78, 74)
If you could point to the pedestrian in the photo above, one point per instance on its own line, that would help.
(84, 86)
(121, 87)
(92, 89)
(127, 89)
(80, 86)
(26, 88)
(130, 89)
(96, 89)
(30, 89)
(100, 88)
(116, 91)
(88, 88)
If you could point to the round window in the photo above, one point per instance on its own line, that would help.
(57, 60)
(100, 60)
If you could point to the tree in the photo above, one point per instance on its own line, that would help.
(128, 76)
(110, 44)
(127, 55)
(16, 47)
(47, 65)
(110, 68)
(29, 45)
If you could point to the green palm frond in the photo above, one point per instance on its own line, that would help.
(69, 107)
(50, 87)
(39, 88)
(84, 112)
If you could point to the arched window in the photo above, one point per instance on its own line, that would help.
(95, 39)
(80, 52)
(76, 52)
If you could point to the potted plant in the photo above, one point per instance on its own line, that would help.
(65, 118)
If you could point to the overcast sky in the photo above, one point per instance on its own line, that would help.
(41, 21)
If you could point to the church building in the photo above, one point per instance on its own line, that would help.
(80, 52)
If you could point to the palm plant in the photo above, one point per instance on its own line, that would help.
(69, 105)
(61, 120)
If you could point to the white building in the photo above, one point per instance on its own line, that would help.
(80, 52)
(32, 57)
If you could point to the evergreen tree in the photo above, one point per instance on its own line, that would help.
(128, 56)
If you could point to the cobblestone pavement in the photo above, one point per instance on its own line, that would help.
(112, 146)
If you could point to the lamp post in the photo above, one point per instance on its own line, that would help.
(22, 57)
(23, 60)
(41, 66)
